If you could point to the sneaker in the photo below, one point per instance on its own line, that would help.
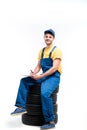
(18, 111)
(47, 126)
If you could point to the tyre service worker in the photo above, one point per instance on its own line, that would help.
(49, 60)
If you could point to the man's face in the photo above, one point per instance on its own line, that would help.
(48, 39)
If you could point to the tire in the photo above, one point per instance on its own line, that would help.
(36, 99)
(56, 90)
(34, 115)
(36, 89)
(32, 120)
(37, 109)
(33, 99)
(35, 120)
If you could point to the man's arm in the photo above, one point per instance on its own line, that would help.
(54, 68)
(37, 69)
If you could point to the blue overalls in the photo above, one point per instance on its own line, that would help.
(48, 85)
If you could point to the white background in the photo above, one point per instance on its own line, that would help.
(22, 23)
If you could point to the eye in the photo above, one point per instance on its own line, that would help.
(46, 36)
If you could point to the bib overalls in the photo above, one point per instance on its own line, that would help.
(48, 85)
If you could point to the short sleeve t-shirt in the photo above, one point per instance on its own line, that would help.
(57, 53)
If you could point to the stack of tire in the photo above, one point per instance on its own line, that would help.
(34, 115)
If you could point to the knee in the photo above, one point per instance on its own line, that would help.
(25, 79)
(22, 80)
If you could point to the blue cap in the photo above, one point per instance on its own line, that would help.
(50, 31)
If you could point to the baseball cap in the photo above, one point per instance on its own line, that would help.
(50, 31)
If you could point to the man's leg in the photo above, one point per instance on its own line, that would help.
(47, 88)
(23, 89)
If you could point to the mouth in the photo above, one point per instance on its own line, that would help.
(47, 40)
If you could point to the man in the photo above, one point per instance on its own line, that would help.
(49, 60)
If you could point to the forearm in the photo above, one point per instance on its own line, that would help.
(37, 69)
(54, 68)
(49, 72)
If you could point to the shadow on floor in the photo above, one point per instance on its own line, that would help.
(13, 123)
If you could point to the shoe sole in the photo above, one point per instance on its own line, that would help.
(48, 129)
(18, 113)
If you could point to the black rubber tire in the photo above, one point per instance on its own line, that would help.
(36, 99)
(36, 89)
(34, 114)
(56, 90)
(37, 109)
(35, 120)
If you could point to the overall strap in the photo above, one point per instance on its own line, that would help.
(52, 51)
(42, 52)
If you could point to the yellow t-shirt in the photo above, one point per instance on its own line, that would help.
(55, 54)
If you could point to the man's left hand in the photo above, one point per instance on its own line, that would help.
(36, 77)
